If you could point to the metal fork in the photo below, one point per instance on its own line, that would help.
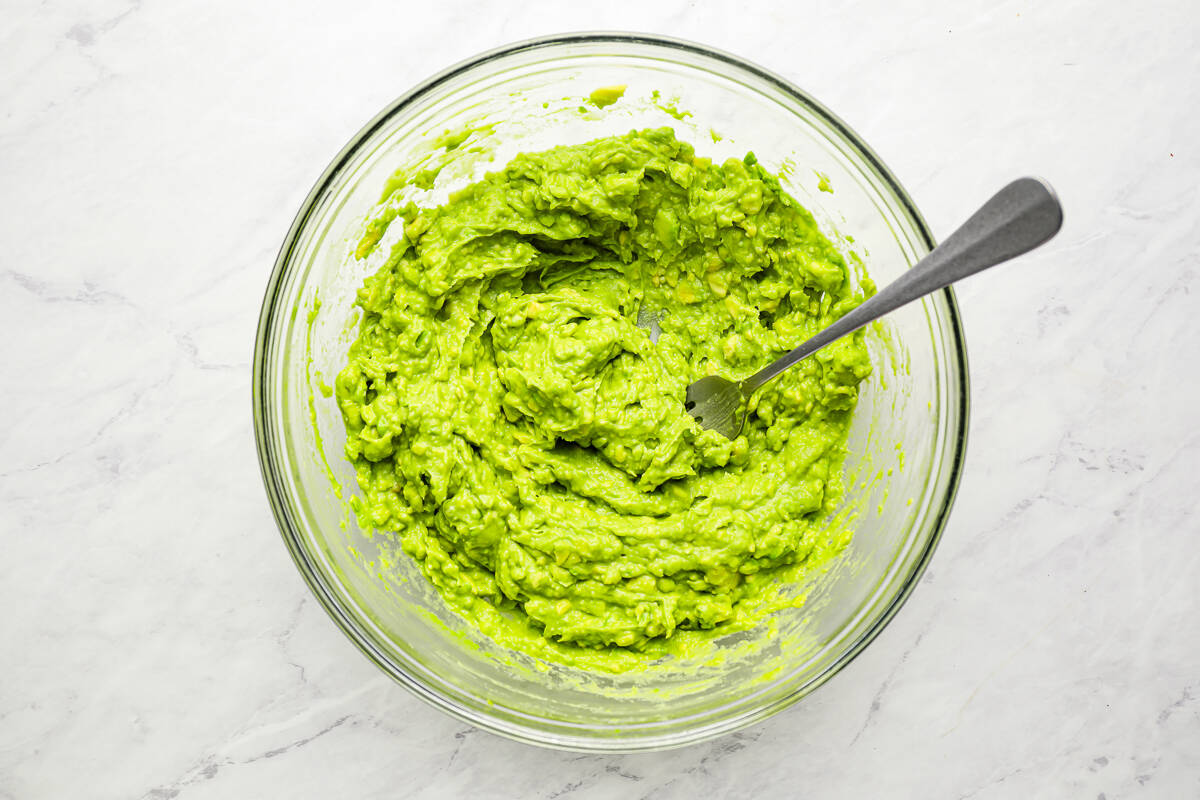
(1018, 218)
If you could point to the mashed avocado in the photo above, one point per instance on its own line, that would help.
(526, 442)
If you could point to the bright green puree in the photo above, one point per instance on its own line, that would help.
(526, 442)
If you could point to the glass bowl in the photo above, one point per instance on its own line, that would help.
(906, 445)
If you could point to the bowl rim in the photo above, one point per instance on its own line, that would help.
(317, 581)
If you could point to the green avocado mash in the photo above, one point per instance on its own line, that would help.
(526, 442)
(607, 95)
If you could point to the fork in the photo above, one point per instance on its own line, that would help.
(1024, 214)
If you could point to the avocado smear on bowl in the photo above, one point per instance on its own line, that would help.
(526, 443)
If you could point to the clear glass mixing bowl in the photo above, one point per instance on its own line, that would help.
(906, 446)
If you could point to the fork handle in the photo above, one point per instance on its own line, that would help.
(1018, 218)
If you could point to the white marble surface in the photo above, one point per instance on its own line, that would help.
(157, 641)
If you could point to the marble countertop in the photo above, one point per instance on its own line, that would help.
(158, 642)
